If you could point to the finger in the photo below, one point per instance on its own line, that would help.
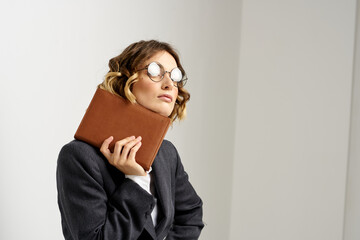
(119, 144)
(119, 149)
(134, 150)
(128, 147)
(105, 147)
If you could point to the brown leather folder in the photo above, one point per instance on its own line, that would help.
(111, 115)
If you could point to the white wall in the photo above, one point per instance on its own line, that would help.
(53, 55)
(293, 115)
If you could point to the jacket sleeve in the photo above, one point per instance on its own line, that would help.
(188, 207)
(87, 211)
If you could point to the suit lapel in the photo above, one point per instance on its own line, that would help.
(149, 226)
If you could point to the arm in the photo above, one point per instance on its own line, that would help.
(86, 209)
(188, 207)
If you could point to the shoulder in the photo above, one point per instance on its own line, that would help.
(77, 147)
(79, 153)
(168, 155)
(168, 148)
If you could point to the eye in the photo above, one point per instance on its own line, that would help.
(176, 75)
(154, 69)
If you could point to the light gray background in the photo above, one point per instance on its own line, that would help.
(271, 142)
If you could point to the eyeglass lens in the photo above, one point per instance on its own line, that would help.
(156, 72)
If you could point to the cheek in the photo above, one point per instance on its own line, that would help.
(141, 88)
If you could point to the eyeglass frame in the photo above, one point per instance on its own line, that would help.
(184, 78)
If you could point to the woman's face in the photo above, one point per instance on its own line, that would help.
(150, 94)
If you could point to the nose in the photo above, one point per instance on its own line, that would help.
(167, 83)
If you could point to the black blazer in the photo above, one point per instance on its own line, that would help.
(96, 201)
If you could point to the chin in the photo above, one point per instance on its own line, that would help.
(165, 114)
(162, 110)
(159, 111)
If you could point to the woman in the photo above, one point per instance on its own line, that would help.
(105, 195)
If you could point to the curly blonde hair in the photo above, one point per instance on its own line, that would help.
(123, 73)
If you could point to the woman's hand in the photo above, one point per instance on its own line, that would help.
(123, 157)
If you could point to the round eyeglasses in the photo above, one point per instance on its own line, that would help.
(156, 73)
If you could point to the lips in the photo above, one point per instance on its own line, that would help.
(166, 97)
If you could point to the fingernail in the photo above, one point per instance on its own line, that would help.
(139, 137)
(132, 137)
